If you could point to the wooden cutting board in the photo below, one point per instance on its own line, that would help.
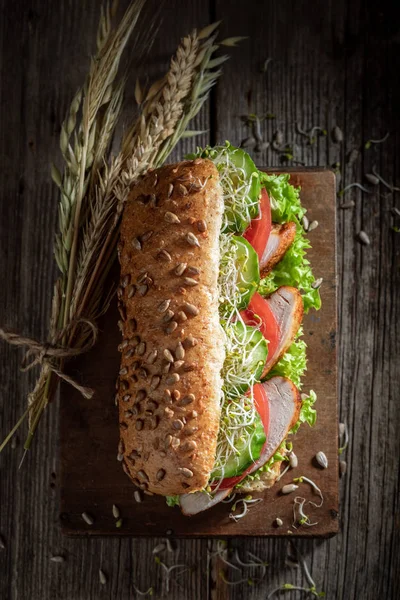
(92, 480)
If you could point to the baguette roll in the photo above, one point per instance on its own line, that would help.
(172, 351)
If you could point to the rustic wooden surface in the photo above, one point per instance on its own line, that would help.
(333, 63)
(89, 428)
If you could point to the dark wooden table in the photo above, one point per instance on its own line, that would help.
(333, 63)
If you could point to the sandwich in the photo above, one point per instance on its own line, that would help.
(214, 284)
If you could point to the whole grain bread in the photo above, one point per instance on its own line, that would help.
(172, 348)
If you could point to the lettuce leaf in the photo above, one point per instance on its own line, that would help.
(308, 414)
(294, 269)
(172, 500)
(293, 363)
(284, 198)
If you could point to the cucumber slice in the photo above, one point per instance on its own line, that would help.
(247, 452)
(240, 180)
(239, 273)
(246, 354)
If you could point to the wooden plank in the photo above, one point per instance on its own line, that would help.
(92, 480)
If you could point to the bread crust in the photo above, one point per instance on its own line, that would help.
(173, 346)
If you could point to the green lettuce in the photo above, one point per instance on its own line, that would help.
(293, 363)
(284, 198)
(172, 500)
(294, 268)
(308, 414)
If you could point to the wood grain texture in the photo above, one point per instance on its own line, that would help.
(333, 63)
(89, 429)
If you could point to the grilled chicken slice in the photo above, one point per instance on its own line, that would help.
(280, 238)
(284, 408)
(287, 306)
(191, 504)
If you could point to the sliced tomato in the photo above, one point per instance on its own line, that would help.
(262, 406)
(259, 229)
(258, 313)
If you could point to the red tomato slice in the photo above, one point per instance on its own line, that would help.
(259, 313)
(258, 231)
(262, 407)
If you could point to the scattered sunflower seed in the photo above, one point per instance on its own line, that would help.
(87, 518)
(372, 179)
(342, 428)
(168, 316)
(171, 327)
(57, 559)
(171, 217)
(190, 282)
(152, 356)
(192, 239)
(293, 461)
(159, 548)
(168, 355)
(352, 156)
(349, 204)
(164, 255)
(278, 522)
(180, 268)
(363, 238)
(102, 577)
(163, 306)
(118, 523)
(317, 283)
(337, 135)
(137, 496)
(321, 459)
(248, 142)
(261, 146)
(115, 512)
(289, 488)
(313, 225)
(305, 222)
(136, 244)
(342, 468)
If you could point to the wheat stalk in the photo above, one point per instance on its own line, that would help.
(93, 187)
(80, 153)
(160, 112)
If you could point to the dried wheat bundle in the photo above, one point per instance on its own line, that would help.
(94, 186)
